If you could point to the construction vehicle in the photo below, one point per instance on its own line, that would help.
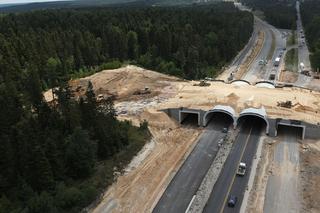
(301, 65)
(241, 169)
(306, 72)
(272, 76)
(144, 91)
(285, 104)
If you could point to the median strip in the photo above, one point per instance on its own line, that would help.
(244, 67)
(212, 175)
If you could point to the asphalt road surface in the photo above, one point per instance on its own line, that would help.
(271, 34)
(187, 180)
(303, 51)
(255, 68)
(282, 192)
(228, 182)
(240, 58)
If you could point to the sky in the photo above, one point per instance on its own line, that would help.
(24, 1)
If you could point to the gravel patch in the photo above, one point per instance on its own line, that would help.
(212, 175)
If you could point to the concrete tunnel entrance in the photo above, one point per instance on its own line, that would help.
(218, 120)
(292, 128)
(225, 115)
(191, 117)
(255, 118)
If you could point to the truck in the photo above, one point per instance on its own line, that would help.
(301, 66)
(241, 169)
(272, 76)
(277, 62)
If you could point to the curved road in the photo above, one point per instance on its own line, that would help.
(303, 51)
(259, 72)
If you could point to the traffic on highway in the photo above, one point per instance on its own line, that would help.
(228, 191)
(231, 184)
(186, 182)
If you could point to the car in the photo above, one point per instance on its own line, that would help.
(225, 130)
(232, 201)
(261, 62)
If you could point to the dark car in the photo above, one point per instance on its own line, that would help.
(232, 201)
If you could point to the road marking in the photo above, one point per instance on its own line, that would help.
(235, 174)
(189, 206)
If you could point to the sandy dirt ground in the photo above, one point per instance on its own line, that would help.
(288, 77)
(123, 82)
(254, 53)
(148, 175)
(307, 104)
(257, 194)
(310, 176)
(141, 187)
(314, 84)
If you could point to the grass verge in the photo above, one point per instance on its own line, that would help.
(292, 39)
(291, 60)
(273, 46)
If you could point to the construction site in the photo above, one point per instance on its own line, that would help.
(145, 95)
(255, 113)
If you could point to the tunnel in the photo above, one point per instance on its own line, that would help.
(190, 117)
(240, 82)
(220, 113)
(254, 117)
(291, 127)
(265, 84)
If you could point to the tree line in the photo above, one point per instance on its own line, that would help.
(281, 14)
(310, 13)
(190, 42)
(57, 157)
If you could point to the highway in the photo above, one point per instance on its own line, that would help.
(253, 72)
(260, 72)
(240, 58)
(228, 183)
(187, 180)
(303, 51)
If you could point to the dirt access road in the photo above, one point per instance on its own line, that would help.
(283, 186)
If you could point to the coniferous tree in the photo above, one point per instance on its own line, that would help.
(80, 154)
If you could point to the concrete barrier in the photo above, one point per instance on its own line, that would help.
(183, 113)
(309, 131)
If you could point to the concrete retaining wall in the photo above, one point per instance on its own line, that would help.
(309, 131)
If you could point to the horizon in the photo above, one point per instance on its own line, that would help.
(4, 2)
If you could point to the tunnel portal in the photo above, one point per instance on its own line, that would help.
(254, 115)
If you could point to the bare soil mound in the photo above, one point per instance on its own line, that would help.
(130, 82)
